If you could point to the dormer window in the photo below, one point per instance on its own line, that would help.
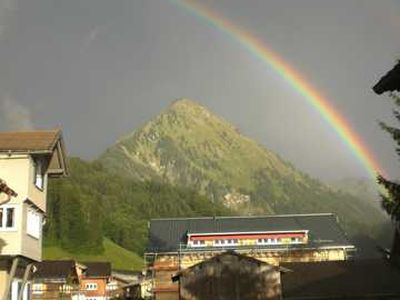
(39, 172)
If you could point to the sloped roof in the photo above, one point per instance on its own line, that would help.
(340, 279)
(389, 82)
(98, 269)
(217, 258)
(165, 235)
(4, 188)
(21, 141)
(48, 142)
(54, 269)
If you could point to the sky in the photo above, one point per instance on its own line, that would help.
(100, 69)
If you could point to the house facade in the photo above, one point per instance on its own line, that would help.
(115, 286)
(96, 282)
(27, 160)
(177, 244)
(57, 279)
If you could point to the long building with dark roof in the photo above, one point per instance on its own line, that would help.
(179, 243)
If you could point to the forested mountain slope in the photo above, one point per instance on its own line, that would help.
(187, 145)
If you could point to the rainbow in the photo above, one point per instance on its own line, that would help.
(313, 97)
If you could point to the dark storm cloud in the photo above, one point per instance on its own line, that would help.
(101, 68)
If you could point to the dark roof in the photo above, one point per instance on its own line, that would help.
(340, 279)
(390, 82)
(21, 141)
(166, 234)
(54, 269)
(98, 269)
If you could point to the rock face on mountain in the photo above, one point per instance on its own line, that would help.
(187, 145)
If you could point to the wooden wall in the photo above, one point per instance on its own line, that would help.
(230, 277)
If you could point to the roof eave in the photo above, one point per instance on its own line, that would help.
(215, 249)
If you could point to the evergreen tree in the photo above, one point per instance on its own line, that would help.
(391, 199)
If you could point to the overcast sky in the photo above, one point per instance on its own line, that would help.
(101, 68)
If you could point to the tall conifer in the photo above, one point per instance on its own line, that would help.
(390, 199)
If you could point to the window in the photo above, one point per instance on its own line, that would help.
(7, 217)
(34, 223)
(65, 288)
(198, 243)
(218, 242)
(295, 240)
(39, 173)
(91, 286)
(37, 288)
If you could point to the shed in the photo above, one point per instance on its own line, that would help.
(229, 276)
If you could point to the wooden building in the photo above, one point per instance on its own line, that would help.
(177, 244)
(138, 290)
(27, 160)
(229, 276)
(95, 281)
(57, 279)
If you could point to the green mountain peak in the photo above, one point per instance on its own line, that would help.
(187, 145)
(160, 170)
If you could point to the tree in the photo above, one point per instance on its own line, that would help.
(391, 199)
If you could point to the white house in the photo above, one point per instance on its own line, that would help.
(27, 160)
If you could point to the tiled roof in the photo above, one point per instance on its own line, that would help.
(98, 269)
(54, 269)
(340, 279)
(165, 235)
(22, 141)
